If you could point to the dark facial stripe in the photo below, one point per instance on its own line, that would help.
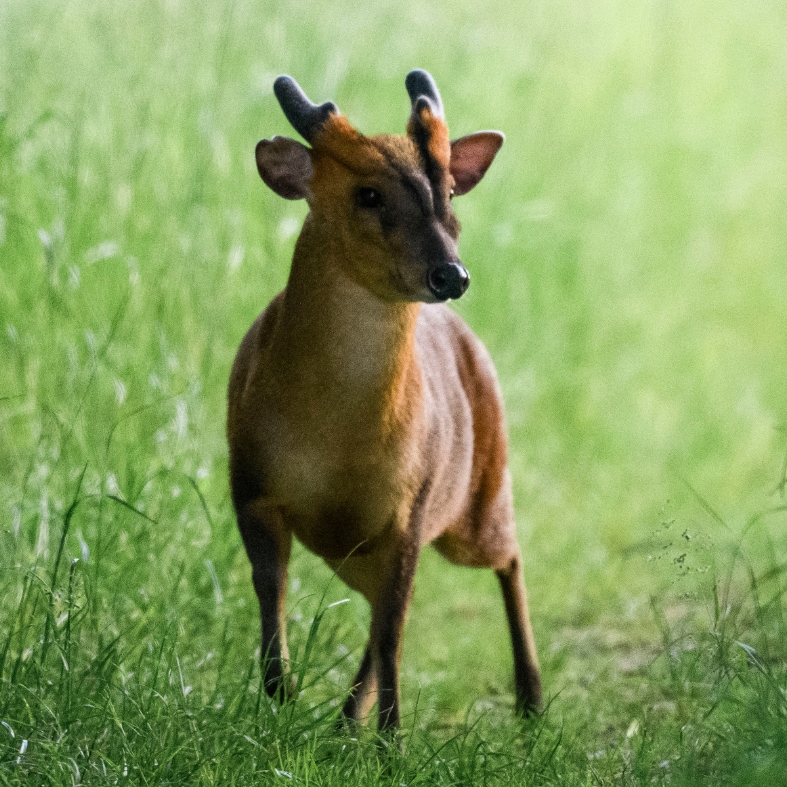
(421, 191)
(437, 177)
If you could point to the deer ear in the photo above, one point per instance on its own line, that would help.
(471, 157)
(286, 166)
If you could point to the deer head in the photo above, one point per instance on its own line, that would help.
(381, 204)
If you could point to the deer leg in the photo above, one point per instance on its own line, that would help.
(361, 694)
(389, 611)
(268, 546)
(380, 664)
(527, 676)
(387, 643)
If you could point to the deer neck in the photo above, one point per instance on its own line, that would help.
(338, 340)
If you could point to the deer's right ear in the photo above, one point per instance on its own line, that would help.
(286, 166)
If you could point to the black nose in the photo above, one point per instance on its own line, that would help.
(448, 281)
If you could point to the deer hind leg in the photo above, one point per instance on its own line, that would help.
(362, 692)
(489, 540)
(268, 544)
(527, 677)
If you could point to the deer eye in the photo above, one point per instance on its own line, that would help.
(368, 198)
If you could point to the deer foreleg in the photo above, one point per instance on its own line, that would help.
(268, 544)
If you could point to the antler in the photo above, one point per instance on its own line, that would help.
(306, 118)
(422, 89)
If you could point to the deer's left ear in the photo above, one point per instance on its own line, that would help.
(471, 157)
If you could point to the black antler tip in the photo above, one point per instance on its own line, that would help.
(419, 84)
(306, 118)
(281, 82)
(289, 92)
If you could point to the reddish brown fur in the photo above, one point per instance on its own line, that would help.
(362, 421)
(436, 132)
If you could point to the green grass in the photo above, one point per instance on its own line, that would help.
(627, 252)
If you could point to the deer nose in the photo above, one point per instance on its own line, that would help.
(448, 281)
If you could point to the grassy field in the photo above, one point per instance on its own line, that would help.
(628, 253)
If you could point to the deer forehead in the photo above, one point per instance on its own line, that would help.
(347, 159)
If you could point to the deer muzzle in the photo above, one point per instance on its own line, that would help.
(448, 281)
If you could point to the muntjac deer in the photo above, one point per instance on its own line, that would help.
(365, 417)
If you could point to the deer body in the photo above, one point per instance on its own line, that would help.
(362, 421)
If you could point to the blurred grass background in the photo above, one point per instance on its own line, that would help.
(627, 251)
